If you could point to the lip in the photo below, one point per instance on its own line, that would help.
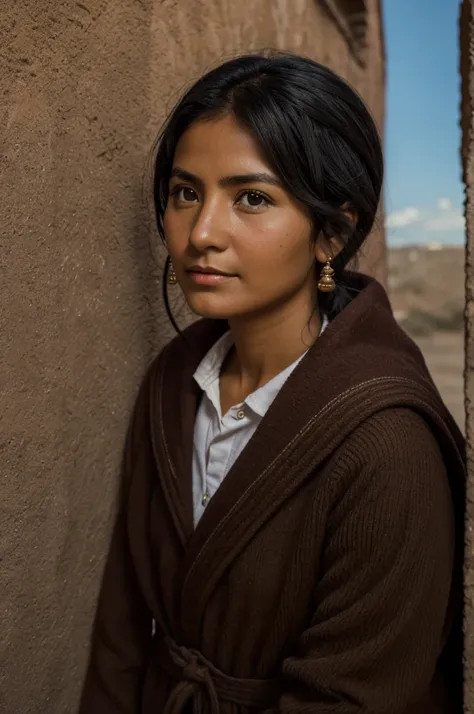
(209, 271)
(208, 276)
(201, 278)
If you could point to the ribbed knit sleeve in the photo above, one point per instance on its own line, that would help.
(122, 631)
(381, 602)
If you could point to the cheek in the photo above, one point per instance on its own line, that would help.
(279, 247)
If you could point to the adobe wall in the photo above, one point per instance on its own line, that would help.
(467, 123)
(85, 86)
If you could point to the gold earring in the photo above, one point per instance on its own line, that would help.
(326, 283)
(171, 274)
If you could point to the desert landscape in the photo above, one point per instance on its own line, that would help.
(426, 287)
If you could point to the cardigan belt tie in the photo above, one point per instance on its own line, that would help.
(205, 686)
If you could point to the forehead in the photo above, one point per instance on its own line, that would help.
(219, 145)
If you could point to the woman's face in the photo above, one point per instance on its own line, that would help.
(239, 242)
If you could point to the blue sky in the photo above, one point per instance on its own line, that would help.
(424, 193)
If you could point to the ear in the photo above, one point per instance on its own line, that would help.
(328, 248)
(350, 213)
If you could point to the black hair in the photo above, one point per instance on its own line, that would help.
(314, 130)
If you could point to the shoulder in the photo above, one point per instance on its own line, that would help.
(397, 433)
(178, 359)
(393, 458)
(192, 343)
(179, 349)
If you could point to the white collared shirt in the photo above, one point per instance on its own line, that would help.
(219, 439)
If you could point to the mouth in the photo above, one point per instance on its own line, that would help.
(208, 276)
(209, 271)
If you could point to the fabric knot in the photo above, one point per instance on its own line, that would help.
(196, 681)
(199, 683)
(191, 662)
(194, 671)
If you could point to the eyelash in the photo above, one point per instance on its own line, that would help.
(251, 192)
(247, 192)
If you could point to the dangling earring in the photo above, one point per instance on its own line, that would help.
(171, 274)
(326, 283)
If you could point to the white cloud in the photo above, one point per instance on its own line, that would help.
(443, 217)
(447, 220)
(405, 217)
(444, 204)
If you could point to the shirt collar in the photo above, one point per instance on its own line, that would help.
(208, 372)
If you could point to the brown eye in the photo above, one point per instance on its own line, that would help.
(253, 199)
(184, 194)
(189, 194)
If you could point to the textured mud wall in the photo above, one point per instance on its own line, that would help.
(467, 121)
(84, 86)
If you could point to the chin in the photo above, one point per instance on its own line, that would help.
(212, 309)
(211, 313)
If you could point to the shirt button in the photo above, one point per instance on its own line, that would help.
(240, 414)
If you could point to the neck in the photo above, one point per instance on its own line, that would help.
(264, 345)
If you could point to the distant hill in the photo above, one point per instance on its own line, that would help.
(426, 287)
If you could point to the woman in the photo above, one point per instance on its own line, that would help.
(290, 534)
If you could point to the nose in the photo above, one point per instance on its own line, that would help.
(210, 226)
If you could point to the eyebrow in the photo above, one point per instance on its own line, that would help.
(226, 181)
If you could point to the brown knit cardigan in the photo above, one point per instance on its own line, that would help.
(325, 574)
